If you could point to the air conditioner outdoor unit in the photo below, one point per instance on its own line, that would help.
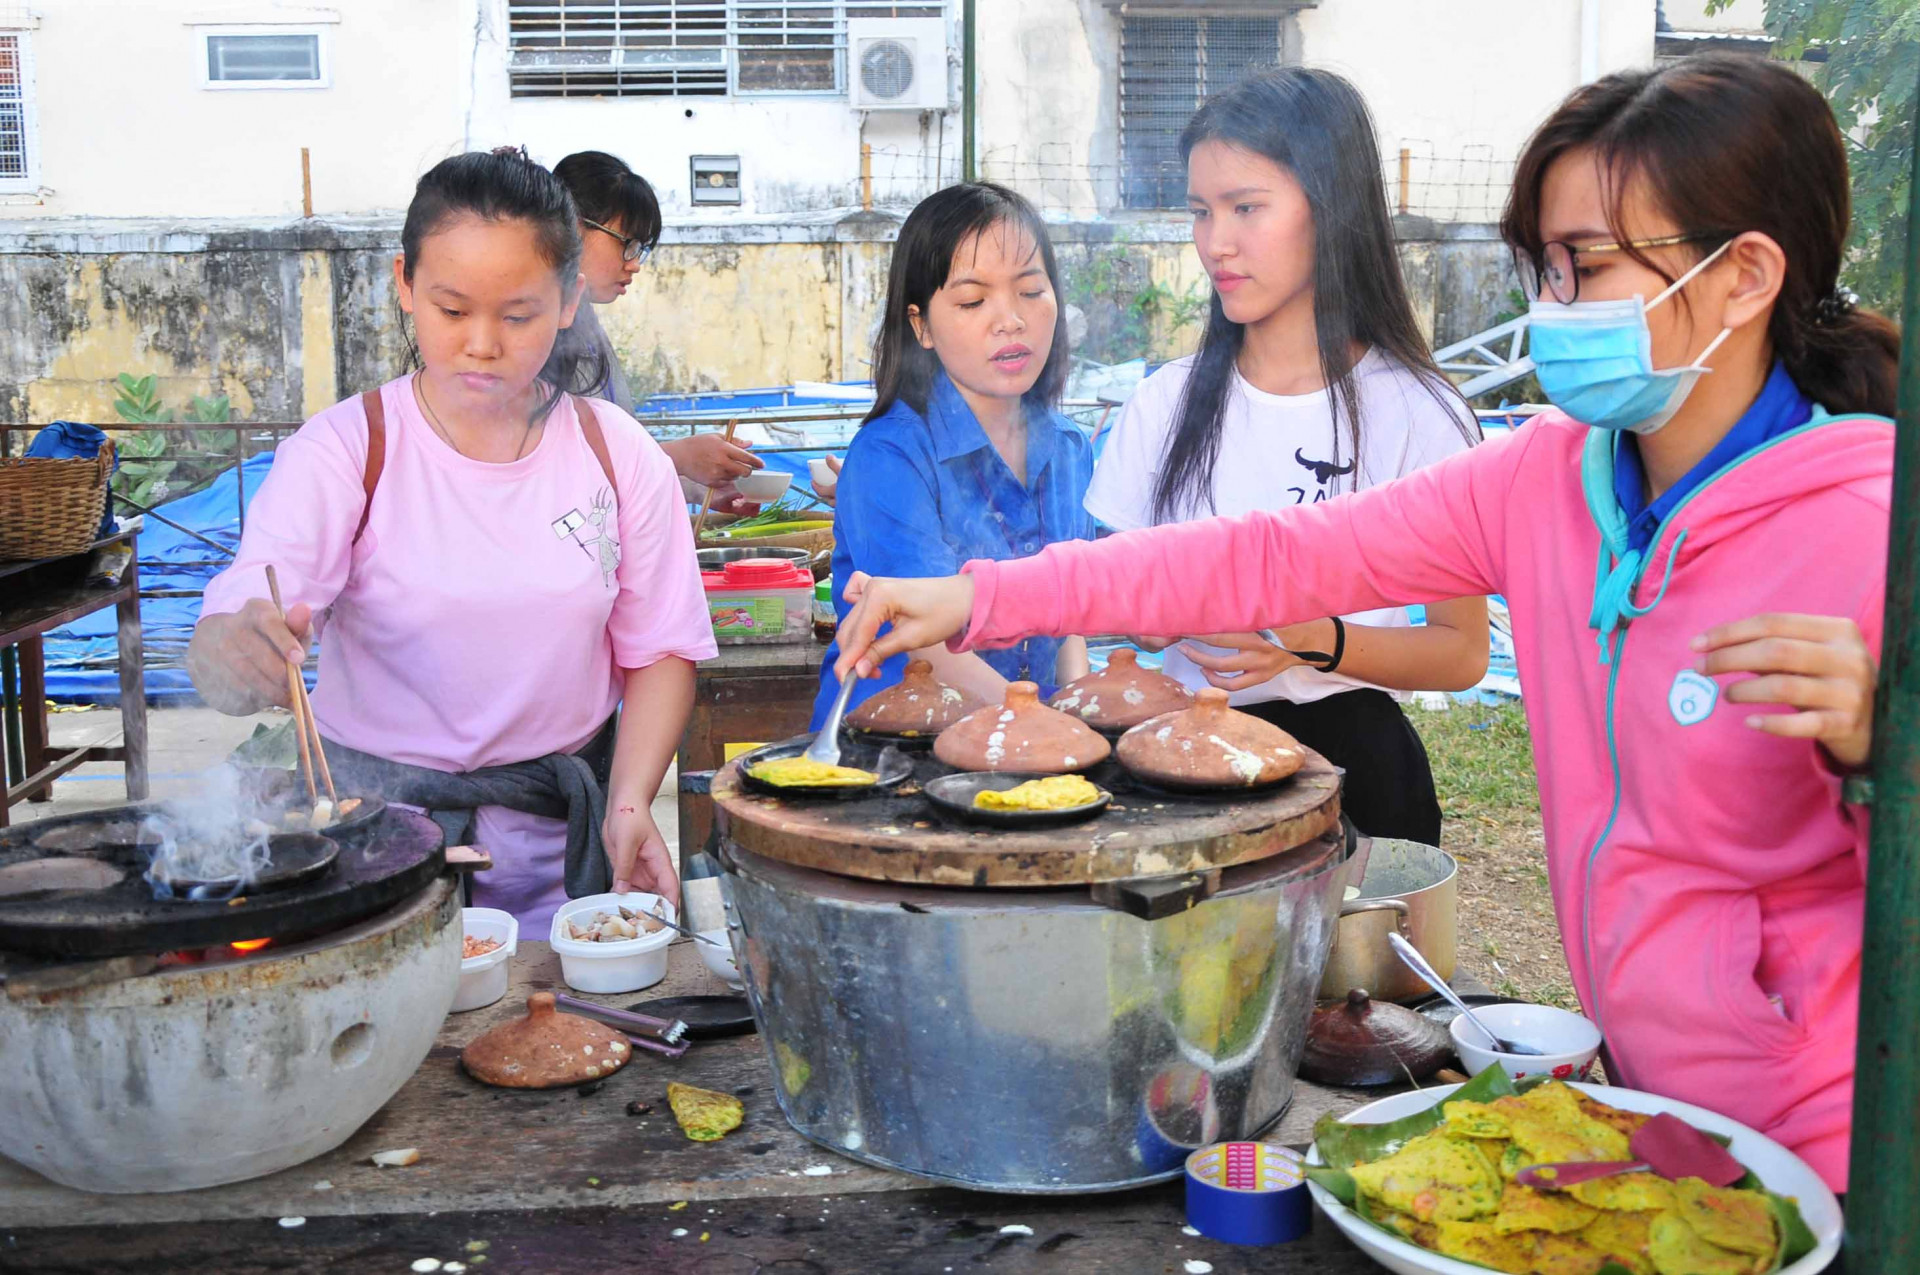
(897, 64)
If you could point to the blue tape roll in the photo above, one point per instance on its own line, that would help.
(1248, 1193)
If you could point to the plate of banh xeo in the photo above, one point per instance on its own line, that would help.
(1423, 1182)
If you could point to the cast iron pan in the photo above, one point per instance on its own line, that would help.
(880, 739)
(297, 857)
(887, 762)
(706, 1017)
(953, 796)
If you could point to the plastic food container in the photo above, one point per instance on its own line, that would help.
(484, 978)
(760, 600)
(625, 966)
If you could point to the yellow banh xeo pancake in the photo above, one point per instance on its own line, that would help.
(1056, 792)
(1739, 1220)
(1677, 1249)
(798, 772)
(1524, 1209)
(1433, 1177)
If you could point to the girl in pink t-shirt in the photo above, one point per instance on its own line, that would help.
(518, 572)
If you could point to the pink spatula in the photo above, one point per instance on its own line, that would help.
(1668, 1145)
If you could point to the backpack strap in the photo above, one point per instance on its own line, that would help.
(376, 455)
(590, 426)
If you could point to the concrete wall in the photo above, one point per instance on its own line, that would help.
(291, 319)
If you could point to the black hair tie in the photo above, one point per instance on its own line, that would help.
(1332, 661)
(1835, 306)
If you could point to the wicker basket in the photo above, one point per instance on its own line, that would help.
(51, 507)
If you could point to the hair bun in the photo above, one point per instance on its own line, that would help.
(519, 152)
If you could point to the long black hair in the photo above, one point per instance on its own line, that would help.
(922, 260)
(505, 185)
(1315, 125)
(605, 190)
(1726, 144)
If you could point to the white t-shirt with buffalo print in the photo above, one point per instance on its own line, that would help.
(1277, 451)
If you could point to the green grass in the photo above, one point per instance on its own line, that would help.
(1482, 761)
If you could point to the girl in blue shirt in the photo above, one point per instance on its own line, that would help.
(965, 454)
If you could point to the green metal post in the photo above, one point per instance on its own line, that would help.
(969, 170)
(1883, 1226)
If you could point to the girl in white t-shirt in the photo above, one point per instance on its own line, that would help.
(1312, 381)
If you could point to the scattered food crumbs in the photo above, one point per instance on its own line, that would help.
(593, 1181)
(677, 1205)
(426, 1265)
(705, 1236)
(291, 1222)
(323, 1185)
(1016, 1229)
(397, 1159)
(818, 1170)
(1197, 1267)
(236, 901)
(478, 1246)
(639, 1108)
(679, 1232)
(1188, 1230)
(454, 1268)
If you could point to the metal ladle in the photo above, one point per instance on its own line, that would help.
(1418, 964)
(825, 747)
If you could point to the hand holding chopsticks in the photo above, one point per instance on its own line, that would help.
(311, 753)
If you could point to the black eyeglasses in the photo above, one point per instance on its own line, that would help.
(631, 249)
(1553, 267)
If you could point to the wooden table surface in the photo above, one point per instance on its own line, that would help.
(568, 1181)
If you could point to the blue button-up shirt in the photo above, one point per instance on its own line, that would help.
(921, 496)
(1779, 408)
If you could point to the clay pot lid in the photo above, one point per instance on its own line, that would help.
(546, 1050)
(1122, 695)
(1210, 746)
(1024, 735)
(1361, 1041)
(920, 704)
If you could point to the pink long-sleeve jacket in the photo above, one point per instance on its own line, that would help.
(1708, 878)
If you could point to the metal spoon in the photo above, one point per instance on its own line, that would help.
(1418, 964)
(825, 747)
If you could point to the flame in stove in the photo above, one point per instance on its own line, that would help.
(249, 945)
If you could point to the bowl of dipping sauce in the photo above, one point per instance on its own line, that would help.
(1567, 1042)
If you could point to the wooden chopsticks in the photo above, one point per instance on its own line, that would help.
(303, 715)
(700, 523)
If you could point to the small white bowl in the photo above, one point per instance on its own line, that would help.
(1569, 1042)
(719, 960)
(824, 479)
(626, 966)
(764, 486)
(484, 978)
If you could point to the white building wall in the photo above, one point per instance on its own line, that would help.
(1742, 16)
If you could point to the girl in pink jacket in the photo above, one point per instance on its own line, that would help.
(1693, 549)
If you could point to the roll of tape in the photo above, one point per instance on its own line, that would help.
(1248, 1193)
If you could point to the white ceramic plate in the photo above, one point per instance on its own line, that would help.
(1783, 1172)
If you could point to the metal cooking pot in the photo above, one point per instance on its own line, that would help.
(715, 559)
(1034, 1040)
(1408, 887)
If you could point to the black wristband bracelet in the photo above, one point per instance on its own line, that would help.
(1339, 644)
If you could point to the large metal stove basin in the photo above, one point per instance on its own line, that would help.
(202, 1074)
(1032, 1040)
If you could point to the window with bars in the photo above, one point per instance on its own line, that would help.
(685, 48)
(1168, 66)
(19, 161)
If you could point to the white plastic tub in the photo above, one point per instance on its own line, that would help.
(484, 978)
(613, 967)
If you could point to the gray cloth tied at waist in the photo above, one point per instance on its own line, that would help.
(570, 786)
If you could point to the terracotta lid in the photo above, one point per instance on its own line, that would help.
(920, 704)
(546, 1050)
(1023, 734)
(1121, 695)
(1361, 1041)
(1210, 746)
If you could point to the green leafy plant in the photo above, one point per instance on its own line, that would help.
(1113, 287)
(157, 464)
(1872, 67)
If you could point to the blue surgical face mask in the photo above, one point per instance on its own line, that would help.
(1595, 360)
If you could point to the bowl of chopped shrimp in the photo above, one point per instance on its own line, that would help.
(489, 937)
